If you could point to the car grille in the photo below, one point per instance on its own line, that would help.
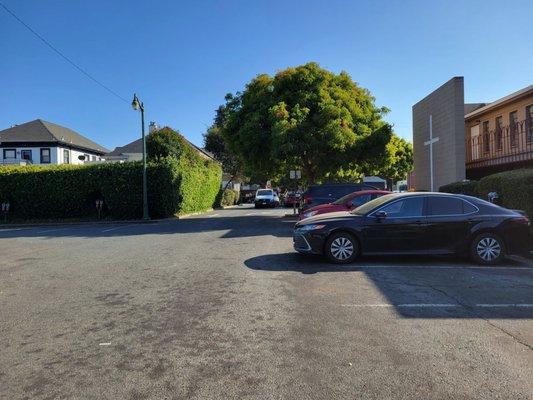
(300, 243)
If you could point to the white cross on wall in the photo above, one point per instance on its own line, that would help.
(430, 144)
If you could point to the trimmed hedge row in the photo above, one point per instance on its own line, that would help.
(514, 188)
(199, 184)
(68, 191)
(463, 187)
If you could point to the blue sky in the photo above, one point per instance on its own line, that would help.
(183, 57)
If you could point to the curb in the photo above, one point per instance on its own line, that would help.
(181, 216)
(73, 223)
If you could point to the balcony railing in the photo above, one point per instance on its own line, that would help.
(509, 144)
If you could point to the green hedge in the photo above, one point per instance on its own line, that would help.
(68, 191)
(200, 183)
(228, 197)
(514, 188)
(462, 187)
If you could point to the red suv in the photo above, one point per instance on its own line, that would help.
(346, 203)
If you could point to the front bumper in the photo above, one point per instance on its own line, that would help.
(264, 202)
(307, 243)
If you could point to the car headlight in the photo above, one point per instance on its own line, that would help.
(309, 214)
(310, 227)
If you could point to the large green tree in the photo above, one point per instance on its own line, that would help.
(215, 143)
(306, 118)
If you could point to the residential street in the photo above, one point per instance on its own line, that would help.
(219, 306)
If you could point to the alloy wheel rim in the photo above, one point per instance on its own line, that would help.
(342, 248)
(488, 249)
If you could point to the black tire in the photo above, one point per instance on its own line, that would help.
(341, 248)
(487, 249)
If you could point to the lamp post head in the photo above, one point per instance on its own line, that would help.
(135, 103)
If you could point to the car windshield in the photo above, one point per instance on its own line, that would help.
(264, 192)
(368, 207)
(343, 199)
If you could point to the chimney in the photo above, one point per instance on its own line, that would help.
(152, 127)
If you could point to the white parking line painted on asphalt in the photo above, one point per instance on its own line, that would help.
(519, 305)
(105, 344)
(498, 268)
(438, 305)
(50, 230)
(115, 228)
(412, 305)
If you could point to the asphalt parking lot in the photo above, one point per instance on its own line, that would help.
(219, 306)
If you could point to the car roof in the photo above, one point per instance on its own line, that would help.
(340, 184)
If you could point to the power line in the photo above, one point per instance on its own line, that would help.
(46, 42)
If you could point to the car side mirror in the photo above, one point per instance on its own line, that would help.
(380, 215)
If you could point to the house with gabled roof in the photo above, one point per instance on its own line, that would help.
(134, 151)
(42, 142)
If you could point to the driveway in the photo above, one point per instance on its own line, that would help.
(218, 306)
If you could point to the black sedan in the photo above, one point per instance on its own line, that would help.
(417, 223)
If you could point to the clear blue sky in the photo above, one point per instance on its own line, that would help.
(183, 57)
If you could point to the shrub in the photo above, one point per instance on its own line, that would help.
(164, 143)
(462, 187)
(514, 188)
(228, 197)
(68, 191)
(199, 183)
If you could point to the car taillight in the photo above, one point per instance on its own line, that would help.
(522, 220)
(308, 199)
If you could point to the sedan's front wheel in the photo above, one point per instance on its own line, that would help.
(487, 248)
(341, 248)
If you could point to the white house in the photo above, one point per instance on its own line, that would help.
(41, 142)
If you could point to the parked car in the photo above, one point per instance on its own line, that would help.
(291, 198)
(346, 203)
(328, 193)
(417, 223)
(266, 198)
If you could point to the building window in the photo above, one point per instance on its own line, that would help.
(10, 153)
(25, 155)
(66, 157)
(86, 157)
(529, 123)
(498, 133)
(45, 156)
(513, 128)
(486, 137)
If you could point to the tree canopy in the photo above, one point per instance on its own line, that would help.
(215, 143)
(304, 118)
(166, 142)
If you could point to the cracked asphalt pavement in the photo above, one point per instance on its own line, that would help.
(219, 306)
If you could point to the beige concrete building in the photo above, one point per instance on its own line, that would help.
(453, 140)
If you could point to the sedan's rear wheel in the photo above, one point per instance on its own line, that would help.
(488, 249)
(342, 248)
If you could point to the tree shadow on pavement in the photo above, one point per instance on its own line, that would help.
(231, 227)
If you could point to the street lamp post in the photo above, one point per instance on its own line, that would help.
(138, 105)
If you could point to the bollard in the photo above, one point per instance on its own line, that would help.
(5, 210)
(99, 204)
